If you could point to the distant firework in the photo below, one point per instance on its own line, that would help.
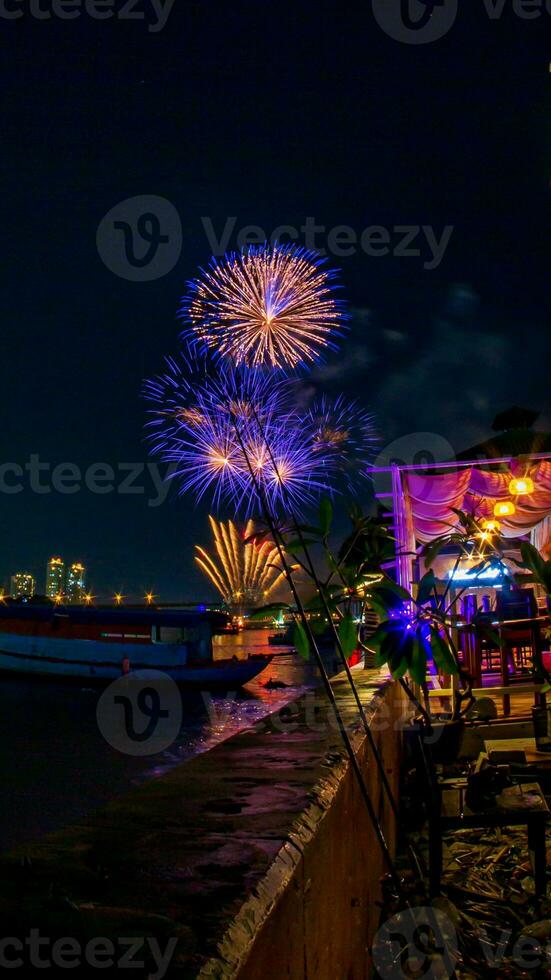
(241, 569)
(271, 305)
(343, 432)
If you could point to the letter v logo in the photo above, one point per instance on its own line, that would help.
(415, 21)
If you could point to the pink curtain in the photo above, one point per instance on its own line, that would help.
(477, 491)
(541, 538)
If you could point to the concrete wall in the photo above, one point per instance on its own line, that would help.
(318, 903)
(257, 856)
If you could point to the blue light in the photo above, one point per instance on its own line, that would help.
(484, 577)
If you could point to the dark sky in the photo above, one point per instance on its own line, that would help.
(269, 113)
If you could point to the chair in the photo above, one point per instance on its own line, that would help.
(516, 604)
(447, 810)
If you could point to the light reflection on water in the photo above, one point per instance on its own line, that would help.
(55, 766)
(235, 711)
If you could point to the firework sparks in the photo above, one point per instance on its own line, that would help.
(271, 305)
(232, 433)
(236, 437)
(344, 432)
(242, 570)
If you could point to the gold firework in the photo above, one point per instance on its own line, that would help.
(242, 570)
(270, 305)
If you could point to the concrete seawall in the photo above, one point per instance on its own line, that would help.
(258, 855)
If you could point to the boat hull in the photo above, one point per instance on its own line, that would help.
(89, 660)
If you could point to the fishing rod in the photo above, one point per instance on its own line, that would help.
(338, 642)
(280, 544)
(413, 858)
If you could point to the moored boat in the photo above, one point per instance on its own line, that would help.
(103, 644)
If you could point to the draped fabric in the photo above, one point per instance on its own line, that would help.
(432, 497)
(541, 538)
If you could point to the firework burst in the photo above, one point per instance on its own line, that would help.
(241, 569)
(270, 305)
(344, 433)
(236, 438)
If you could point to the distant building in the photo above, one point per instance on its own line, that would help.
(22, 585)
(75, 588)
(55, 578)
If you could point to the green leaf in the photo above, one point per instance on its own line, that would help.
(332, 563)
(316, 603)
(400, 669)
(307, 529)
(441, 652)
(533, 560)
(377, 605)
(301, 641)
(418, 666)
(387, 595)
(491, 635)
(348, 635)
(426, 588)
(325, 515)
(298, 544)
(540, 568)
(431, 551)
(382, 633)
(392, 586)
(391, 649)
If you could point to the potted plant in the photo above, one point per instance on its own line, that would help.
(419, 626)
(540, 572)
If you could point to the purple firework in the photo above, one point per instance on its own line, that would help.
(235, 437)
(344, 433)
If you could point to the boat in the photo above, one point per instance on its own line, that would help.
(103, 644)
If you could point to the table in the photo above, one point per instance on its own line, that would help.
(526, 745)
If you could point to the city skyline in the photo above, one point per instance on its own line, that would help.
(66, 583)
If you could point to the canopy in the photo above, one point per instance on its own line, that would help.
(431, 498)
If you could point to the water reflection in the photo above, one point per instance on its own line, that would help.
(55, 766)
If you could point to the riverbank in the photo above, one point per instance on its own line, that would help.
(56, 765)
(257, 856)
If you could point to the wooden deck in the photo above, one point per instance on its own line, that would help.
(514, 701)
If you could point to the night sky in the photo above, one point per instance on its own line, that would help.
(270, 113)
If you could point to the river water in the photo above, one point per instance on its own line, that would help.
(55, 765)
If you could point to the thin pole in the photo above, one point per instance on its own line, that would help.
(336, 637)
(325, 678)
(346, 665)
